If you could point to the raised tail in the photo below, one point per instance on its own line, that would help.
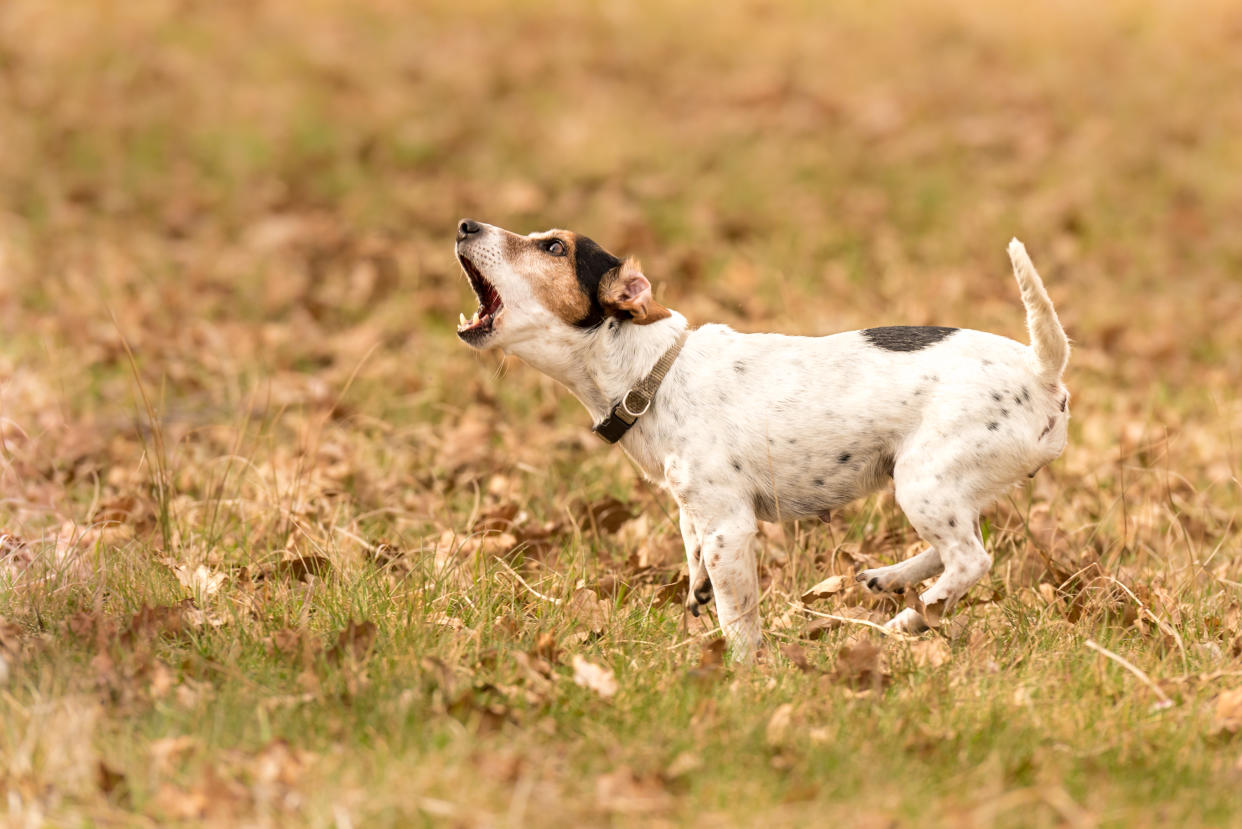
(1048, 339)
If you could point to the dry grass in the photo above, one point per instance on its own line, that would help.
(276, 549)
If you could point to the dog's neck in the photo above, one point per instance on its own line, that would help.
(603, 365)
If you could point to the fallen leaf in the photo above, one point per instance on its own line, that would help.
(622, 791)
(779, 725)
(797, 655)
(606, 515)
(108, 779)
(1229, 711)
(588, 610)
(302, 568)
(828, 587)
(598, 679)
(683, 764)
(201, 581)
(930, 653)
(354, 642)
(861, 666)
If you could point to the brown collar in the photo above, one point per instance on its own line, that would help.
(635, 402)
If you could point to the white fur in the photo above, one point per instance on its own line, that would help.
(771, 427)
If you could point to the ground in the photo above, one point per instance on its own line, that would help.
(276, 549)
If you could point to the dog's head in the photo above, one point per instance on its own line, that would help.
(554, 283)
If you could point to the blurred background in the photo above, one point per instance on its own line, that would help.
(228, 292)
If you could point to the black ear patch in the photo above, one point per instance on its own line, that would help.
(591, 263)
(906, 337)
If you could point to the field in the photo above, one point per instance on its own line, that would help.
(276, 549)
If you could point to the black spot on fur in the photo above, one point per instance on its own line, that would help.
(1026, 395)
(1017, 401)
(996, 396)
(740, 366)
(819, 482)
(591, 262)
(993, 426)
(720, 540)
(1064, 400)
(737, 466)
(952, 522)
(906, 337)
(1004, 413)
(844, 457)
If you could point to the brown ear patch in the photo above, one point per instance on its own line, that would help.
(626, 292)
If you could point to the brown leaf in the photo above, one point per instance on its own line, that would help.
(598, 679)
(684, 763)
(713, 653)
(622, 791)
(169, 750)
(497, 519)
(546, 648)
(467, 444)
(159, 621)
(13, 550)
(293, 642)
(861, 666)
(606, 515)
(108, 779)
(797, 655)
(676, 591)
(301, 568)
(353, 643)
(201, 581)
(828, 587)
(1229, 711)
(711, 662)
(930, 653)
(588, 610)
(780, 724)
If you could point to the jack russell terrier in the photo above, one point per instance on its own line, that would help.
(740, 427)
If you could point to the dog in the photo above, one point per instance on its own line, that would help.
(746, 427)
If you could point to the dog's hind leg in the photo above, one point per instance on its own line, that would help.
(895, 578)
(945, 513)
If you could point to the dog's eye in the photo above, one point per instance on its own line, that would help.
(555, 247)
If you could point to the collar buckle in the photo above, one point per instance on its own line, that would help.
(637, 401)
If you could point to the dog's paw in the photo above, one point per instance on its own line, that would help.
(907, 621)
(700, 595)
(879, 581)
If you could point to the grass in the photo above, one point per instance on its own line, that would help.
(276, 549)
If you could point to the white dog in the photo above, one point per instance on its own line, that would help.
(740, 427)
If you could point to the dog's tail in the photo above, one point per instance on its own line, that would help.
(1048, 339)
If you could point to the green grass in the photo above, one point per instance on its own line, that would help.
(398, 563)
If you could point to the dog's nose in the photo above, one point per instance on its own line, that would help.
(466, 227)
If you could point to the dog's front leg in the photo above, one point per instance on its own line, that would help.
(729, 555)
(700, 589)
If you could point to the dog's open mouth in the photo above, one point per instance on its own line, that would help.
(476, 328)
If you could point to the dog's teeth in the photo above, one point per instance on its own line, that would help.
(461, 320)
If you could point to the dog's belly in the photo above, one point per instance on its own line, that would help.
(822, 478)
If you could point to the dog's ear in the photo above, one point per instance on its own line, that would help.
(625, 292)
